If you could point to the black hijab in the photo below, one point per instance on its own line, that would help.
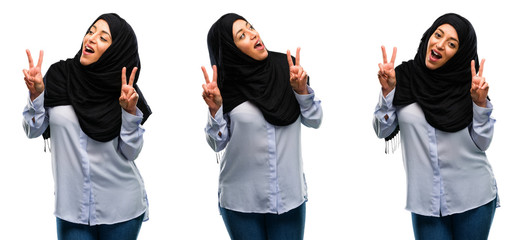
(94, 90)
(443, 93)
(242, 78)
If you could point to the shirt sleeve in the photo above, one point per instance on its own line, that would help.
(35, 117)
(310, 109)
(217, 132)
(482, 127)
(131, 135)
(385, 116)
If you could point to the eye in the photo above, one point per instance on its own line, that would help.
(452, 45)
(242, 36)
(91, 31)
(103, 39)
(438, 35)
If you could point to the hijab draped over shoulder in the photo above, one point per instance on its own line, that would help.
(241, 78)
(443, 93)
(93, 90)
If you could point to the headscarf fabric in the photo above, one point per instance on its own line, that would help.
(94, 90)
(443, 93)
(241, 78)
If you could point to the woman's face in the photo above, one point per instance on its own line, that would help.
(442, 46)
(248, 40)
(96, 42)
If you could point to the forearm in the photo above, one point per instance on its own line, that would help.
(385, 116)
(310, 109)
(483, 126)
(217, 133)
(35, 119)
(131, 135)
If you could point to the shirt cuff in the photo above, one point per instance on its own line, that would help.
(385, 110)
(37, 104)
(131, 122)
(386, 103)
(219, 117)
(214, 125)
(306, 101)
(482, 114)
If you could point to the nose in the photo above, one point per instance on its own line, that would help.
(252, 34)
(91, 38)
(441, 43)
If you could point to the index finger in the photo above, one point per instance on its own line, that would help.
(384, 54)
(215, 75)
(473, 70)
(394, 55)
(289, 60)
(40, 59)
(132, 77)
(30, 58)
(206, 77)
(124, 81)
(481, 69)
(297, 57)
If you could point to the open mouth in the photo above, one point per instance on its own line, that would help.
(88, 49)
(435, 54)
(259, 45)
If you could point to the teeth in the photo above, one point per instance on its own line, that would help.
(435, 53)
(89, 49)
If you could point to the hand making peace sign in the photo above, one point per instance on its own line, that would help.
(128, 96)
(479, 86)
(297, 75)
(211, 93)
(33, 76)
(386, 74)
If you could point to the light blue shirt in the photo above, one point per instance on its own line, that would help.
(95, 182)
(447, 173)
(261, 168)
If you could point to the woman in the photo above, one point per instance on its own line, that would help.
(439, 103)
(257, 101)
(91, 113)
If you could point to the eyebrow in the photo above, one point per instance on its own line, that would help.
(452, 38)
(240, 30)
(107, 34)
(103, 31)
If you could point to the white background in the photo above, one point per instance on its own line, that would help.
(355, 190)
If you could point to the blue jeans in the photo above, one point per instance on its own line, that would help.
(470, 225)
(127, 230)
(254, 226)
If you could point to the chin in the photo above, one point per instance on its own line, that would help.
(263, 56)
(84, 61)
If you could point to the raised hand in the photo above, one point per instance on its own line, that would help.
(386, 74)
(297, 75)
(479, 86)
(211, 93)
(33, 76)
(128, 95)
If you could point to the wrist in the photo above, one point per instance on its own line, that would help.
(386, 91)
(131, 111)
(34, 95)
(301, 91)
(482, 103)
(213, 112)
